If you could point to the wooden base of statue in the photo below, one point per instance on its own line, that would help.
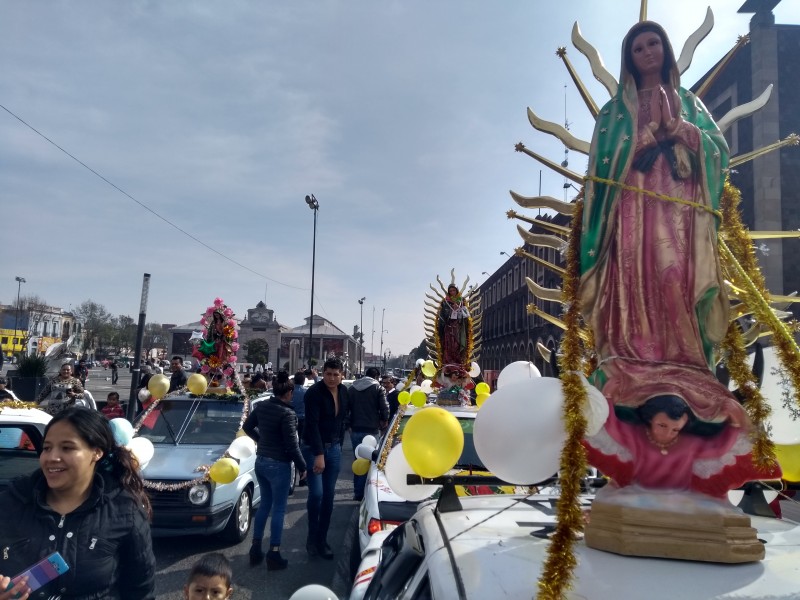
(219, 390)
(708, 537)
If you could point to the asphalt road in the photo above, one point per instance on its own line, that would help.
(175, 556)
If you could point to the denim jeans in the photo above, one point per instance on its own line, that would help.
(321, 490)
(360, 481)
(274, 479)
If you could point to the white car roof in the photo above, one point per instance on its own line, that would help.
(24, 415)
(498, 557)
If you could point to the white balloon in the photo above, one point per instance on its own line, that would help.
(142, 449)
(242, 447)
(399, 387)
(517, 371)
(396, 469)
(364, 451)
(313, 592)
(426, 386)
(519, 431)
(370, 441)
(413, 388)
(597, 409)
(144, 394)
(474, 370)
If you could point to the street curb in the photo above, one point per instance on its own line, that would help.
(341, 582)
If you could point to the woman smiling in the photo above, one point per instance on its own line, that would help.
(87, 502)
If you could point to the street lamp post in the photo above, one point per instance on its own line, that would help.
(361, 337)
(313, 205)
(20, 281)
(383, 314)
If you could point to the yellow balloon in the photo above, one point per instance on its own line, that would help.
(432, 441)
(789, 459)
(197, 384)
(158, 386)
(482, 388)
(225, 470)
(404, 397)
(418, 398)
(428, 368)
(480, 399)
(361, 466)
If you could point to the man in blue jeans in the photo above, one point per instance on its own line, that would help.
(325, 403)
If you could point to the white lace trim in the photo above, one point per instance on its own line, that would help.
(706, 468)
(608, 445)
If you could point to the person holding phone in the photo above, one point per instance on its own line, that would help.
(87, 502)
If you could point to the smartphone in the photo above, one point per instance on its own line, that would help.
(43, 572)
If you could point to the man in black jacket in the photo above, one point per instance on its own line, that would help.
(326, 403)
(387, 383)
(367, 413)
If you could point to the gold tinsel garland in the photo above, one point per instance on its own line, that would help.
(387, 446)
(742, 269)
(557, 574)
(17, 404)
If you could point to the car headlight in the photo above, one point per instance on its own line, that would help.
(199, 494)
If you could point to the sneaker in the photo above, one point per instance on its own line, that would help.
(275, 562)
(325, 551)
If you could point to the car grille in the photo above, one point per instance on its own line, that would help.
(167, 499)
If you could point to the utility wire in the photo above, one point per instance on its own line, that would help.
(147, 208)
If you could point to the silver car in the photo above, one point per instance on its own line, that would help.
(187, 433)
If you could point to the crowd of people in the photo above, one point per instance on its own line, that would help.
(88, 502)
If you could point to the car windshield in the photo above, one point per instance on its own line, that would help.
(193, 422)
(469, 457)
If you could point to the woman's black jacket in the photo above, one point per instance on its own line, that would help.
(273, 425)
(105, 541)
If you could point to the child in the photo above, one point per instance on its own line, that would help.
(113, 409)
(210, 578)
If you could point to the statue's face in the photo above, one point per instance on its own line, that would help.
(647, 53)
(452, 292)
(664, 430)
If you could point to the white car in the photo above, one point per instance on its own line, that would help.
(21, 437)
(496, 546)
(383, 510)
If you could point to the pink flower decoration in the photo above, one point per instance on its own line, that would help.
(235, 346)
(209, 310)
(228, 371)
(204, 369)
(203, 321)
(229, 384)
(227, 312)
(218, 302)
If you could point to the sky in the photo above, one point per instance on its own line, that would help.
(184, 137)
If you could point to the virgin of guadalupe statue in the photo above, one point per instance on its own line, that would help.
(651, 286)
(453, 322)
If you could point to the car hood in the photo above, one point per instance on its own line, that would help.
(180, 462)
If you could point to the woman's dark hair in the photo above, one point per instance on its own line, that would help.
(94, 429)
(672, 406)
(627, 53)
(213, 564)
(282, 384)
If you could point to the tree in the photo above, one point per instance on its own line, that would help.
(420, 351)
(256, 351)
(122, 334)
(154, 337)
(93, 318)
(31, 310)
